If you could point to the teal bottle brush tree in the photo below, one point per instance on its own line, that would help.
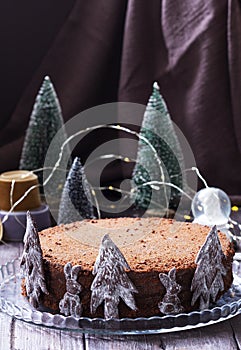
(45, 122)
(76, 200)
(159, 159)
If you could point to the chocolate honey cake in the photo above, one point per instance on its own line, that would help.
(162, 266)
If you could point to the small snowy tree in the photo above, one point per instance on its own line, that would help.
(208, 277)
(75, 201)
(32, 264)
(157, 127)
(45, 120)
(111, 282)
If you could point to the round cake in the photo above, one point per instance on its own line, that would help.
(152, 248)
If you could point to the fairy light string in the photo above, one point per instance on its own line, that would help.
(19, 201)
(126, 159)
(116, 127)
(110, 156)
(199, 175)
(11, 192)
(154, 184)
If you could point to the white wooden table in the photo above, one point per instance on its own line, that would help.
(19, 335)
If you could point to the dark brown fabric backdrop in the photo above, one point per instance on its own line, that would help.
(100, 51)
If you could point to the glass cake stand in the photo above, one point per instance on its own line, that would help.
(13, 303)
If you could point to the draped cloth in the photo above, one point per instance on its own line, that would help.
(101, 51)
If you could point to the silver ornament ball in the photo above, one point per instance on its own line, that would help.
(211, 206)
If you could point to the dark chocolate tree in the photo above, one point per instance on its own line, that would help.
(75, 201)
(165, 165)
(111, 281)
(208, 276)
(32, 263)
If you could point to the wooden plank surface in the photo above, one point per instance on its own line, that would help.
(18, 335)
(218, 336)
(236, 326)
(5, 332)
(45, 338)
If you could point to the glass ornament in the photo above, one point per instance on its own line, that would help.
(211, 206)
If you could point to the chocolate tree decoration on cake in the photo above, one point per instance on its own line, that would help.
(158, 129)
(32, 264)
(45, 120)
(208, 276)
(71, 305)
(170, 303)
(75, 201)
(111, 281)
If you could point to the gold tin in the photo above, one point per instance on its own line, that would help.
(13, 185)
